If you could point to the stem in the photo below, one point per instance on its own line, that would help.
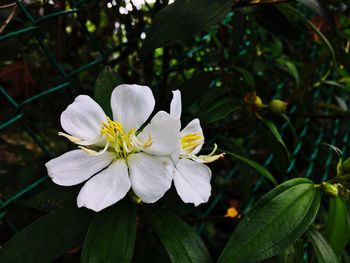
(11, 15)
(7, 6)
(339, 179)
(258, 2)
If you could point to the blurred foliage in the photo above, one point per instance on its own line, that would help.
(215, 52)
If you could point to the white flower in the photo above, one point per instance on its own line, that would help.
(192, 177)
(112, 154)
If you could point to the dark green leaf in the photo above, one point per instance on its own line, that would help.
(148, 248)
(337, 85)
(292, 254)
(261, 169)
(323, 250)
(292, 70)
(220, 109)
(287, 9)
(53, 198)
(212, 94)
(193, 88)
(280, 156)
(182, 243)
(183, 19)
(248, 77)
(347, 205)
(316, 6)
(48, 238)
(267, 16)
(292, 129)
(106, 81)
(346, 257)
(111, 235)
(274, 222)
(272, 127)
(337, 228)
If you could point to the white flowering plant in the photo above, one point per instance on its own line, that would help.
(133, 164)
(215, 152)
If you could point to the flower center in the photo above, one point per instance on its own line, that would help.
(190, 141)
(122, 143)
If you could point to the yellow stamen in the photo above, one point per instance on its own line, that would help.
(205, 158)
(112, 130)
(122, 143)
(94, 153)
(210, 158)
(148, 143)
(88, 151)
(191, 141)
(131, 132)
(73, 139)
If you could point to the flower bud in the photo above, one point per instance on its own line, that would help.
(278, 107)
(258, 102)
(254, 102)
(331, 190)
(345, 166)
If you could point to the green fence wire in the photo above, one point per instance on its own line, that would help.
(301, 155)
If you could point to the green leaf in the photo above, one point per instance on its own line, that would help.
(292, 254)
(182, 20)
(337, 85)
(182, 243)
(287, 9)
(106, 81)
(316, 6)
(272, 127)
(111, 235)
(280, 156)
(346, 257)
(53, 198)
(48, 238)
(248, 77)
(220, 109)
(193, 88)
(274, 222)
(323, 250)
(292, 129)
(347, 205)
(292, 70)
(261, 169)
(275, 21)
(212, 94)
(337, 228)
(148, 248)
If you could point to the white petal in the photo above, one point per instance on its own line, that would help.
(132, 105)
(164, 131)
(175, 156)
(192, 181)
(150, 176)
(82, 118)
(76, 166)
(193, 127)
(175, 105)
(105, 188)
